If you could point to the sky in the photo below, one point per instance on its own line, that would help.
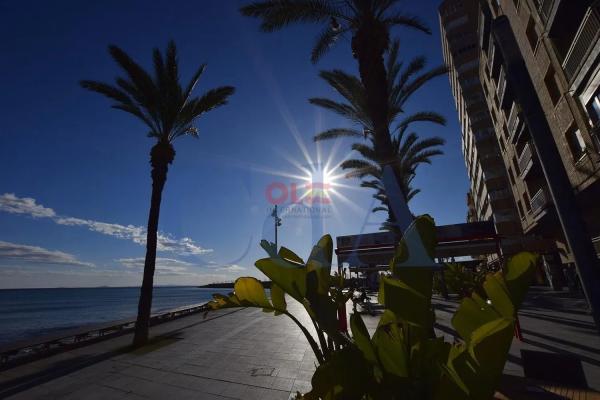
(75, 175)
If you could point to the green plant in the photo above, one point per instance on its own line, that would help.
(169, 111)
(402, 358)
(460, 280)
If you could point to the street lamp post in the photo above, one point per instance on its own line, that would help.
(277, 222)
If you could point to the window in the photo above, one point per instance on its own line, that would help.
(576, 143)
(552, 86)
(593, 109)
(531, 33)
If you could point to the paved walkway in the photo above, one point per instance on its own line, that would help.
(248, 354)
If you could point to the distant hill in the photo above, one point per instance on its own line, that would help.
(229, 285)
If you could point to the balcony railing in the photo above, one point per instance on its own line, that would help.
(524, 159)
(545, 8)
(539, 201)
(586, 37)
(501, 88)
(514, 120)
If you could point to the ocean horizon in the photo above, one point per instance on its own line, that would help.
(34, 312)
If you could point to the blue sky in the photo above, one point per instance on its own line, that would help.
(75, 178)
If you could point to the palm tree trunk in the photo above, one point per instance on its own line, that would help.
(162, 155)
(369, 45)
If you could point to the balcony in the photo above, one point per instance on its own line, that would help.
(501, 87)
(501, 194)
(586, 37)
(514, 123)
(545, 9)
(525, 160)
(539, 201)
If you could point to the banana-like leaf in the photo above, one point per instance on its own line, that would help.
(362, 338)
(390, 345)
(288, 276)
(320, 262)
(518, 275)
(248, 292)
(408, 304)
(289, 255)
(278, 299)
(498, 295)
(417, 246)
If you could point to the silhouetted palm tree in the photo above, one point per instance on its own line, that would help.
(408, 151)
(369, 23)
(169, 111)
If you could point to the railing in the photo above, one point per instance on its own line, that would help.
(545, 8)
(586, 37)
(501, 88)
(539, 201)
(514, 120)
(491, 54)
(16, 353)
(524, 158)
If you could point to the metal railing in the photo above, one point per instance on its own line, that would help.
(539, 201)
(524, 158)
(544, 9)
(586, 37)
(514, 120)
(24, 351)
(501, 88)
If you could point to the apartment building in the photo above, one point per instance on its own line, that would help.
(490, 197)
(558, 44)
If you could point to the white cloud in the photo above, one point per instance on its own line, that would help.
(231, 268)
(24, 205)
(163, 265)
(28, 206)
(38, 255)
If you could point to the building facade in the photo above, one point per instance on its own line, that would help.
(490, 197)
(539, 70)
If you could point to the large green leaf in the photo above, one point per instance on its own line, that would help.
(278, 299)
(472, 313)
(289, 255)
(405, 302)
(417, 246)
(345, 375)
(362, 338)
(498, 295)
(392, 350)
(519, 273)
(320, 262)
(251, 291)
(288, 276)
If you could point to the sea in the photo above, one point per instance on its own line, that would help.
(29, 313)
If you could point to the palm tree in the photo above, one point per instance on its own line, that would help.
(369, 23)
(169, 111)
(408, 151)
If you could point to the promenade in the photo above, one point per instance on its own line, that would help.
(249, 354)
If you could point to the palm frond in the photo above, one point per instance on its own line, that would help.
(419, 81)
(277, 14)
(407, 21)
(337, 133)
(326, 39)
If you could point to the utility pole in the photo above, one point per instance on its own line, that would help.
(277, 221)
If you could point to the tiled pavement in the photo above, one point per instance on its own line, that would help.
(248, 354)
